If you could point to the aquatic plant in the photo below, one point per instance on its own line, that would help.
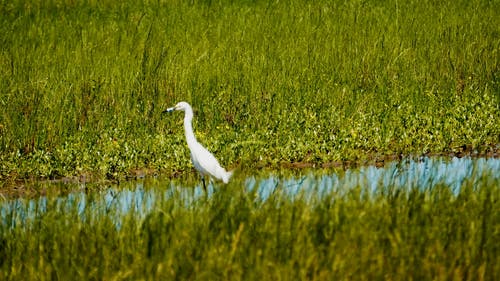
(83, 83)
(356, 232)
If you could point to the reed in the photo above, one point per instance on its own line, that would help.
(83, 82)
(358, 233)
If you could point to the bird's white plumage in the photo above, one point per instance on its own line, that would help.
(203, 161)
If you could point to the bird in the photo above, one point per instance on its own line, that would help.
(203, 161)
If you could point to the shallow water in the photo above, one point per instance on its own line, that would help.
(139, 197)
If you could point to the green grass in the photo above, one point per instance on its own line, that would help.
(422, 233)
(83, 83)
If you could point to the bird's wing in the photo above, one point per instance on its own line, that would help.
(204, 161)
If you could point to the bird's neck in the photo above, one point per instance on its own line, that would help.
(188, 127)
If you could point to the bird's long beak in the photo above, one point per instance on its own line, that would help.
(169, 110)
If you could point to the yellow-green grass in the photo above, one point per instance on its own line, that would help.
(83, 83)
(350, 233)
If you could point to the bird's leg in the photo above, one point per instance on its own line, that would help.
(204, 186)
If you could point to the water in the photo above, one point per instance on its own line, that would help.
(139, 197)
(424, 173)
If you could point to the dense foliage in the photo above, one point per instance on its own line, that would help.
(420, 233)
(83, 83)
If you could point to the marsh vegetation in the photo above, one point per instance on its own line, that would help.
(429, 219)
(83, 83)
(274, 84)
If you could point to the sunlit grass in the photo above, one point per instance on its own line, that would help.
(419, 233)
(83, 83)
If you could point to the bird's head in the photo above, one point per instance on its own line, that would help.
(182, 106)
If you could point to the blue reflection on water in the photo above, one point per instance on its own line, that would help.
(140, 199)
(424, 173)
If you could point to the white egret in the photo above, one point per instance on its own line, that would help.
(203, 160)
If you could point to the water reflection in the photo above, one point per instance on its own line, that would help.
(139, 197)
(424, 173)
